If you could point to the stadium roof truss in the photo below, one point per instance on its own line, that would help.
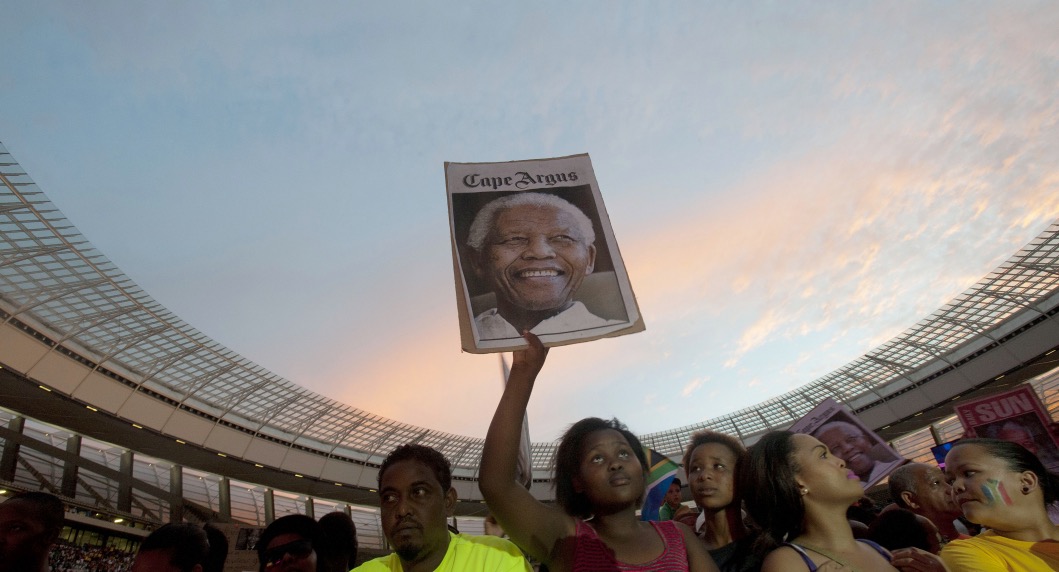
(55, 282)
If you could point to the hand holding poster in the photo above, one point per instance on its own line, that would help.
(1016, 415)
(864, 452)
(533, 249)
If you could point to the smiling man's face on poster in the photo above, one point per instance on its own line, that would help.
(535, 257)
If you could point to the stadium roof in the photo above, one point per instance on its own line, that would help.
(55, 282)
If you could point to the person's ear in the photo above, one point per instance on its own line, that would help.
(1028, 482)
(450, 501)
(591, 259)
(909, 499)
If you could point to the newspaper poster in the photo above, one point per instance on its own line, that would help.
(864, 452)
(1016, 415)
(533, 249)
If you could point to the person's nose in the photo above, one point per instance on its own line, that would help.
(538, 247)
(403, 508)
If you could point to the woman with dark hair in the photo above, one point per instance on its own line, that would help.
(599, 483)
(798, 493)
(711, 461)
(291, 542)
(1005, 488)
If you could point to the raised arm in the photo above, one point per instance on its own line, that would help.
(533, 526)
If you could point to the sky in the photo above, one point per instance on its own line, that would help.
(790, 184)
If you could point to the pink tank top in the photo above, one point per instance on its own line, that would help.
(591, 555)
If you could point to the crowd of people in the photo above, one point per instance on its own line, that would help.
(785, 504)
(69, 558)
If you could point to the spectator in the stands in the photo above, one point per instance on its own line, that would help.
(711, 461)
(599, 478)
(30, 522)
(671, 507)
(182, 547)
(798, 492)
(417, 497)
(293, 542)
(1004, 487)
(922, 489)
(339, 553)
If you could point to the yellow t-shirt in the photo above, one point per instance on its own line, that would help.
(990, 552)
(465, 552)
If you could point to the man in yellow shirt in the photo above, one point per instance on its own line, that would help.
(416, 494)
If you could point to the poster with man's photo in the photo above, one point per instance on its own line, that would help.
(1016, 415)
(533, 249)
(864, 452)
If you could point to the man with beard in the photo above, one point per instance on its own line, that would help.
(534, 250)
(416, 494)
(924, 490)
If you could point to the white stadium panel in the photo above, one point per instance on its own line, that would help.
(226, 440)
(338, 471)
(59, 372)
(265, 452)
(303, 463)
(21, 351)
(103, 392)
(188, 427)
(145, 410)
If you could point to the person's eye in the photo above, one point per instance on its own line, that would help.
(515, 241)
(389, 498)
(720, 467)
(562, 239)
(623, 454)
(695, 469)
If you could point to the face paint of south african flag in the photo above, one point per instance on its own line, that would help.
(994, 491)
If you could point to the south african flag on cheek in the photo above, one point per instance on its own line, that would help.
(994, 491)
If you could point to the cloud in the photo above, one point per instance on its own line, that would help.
(691, 387)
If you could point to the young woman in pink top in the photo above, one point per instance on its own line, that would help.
(599, 480)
